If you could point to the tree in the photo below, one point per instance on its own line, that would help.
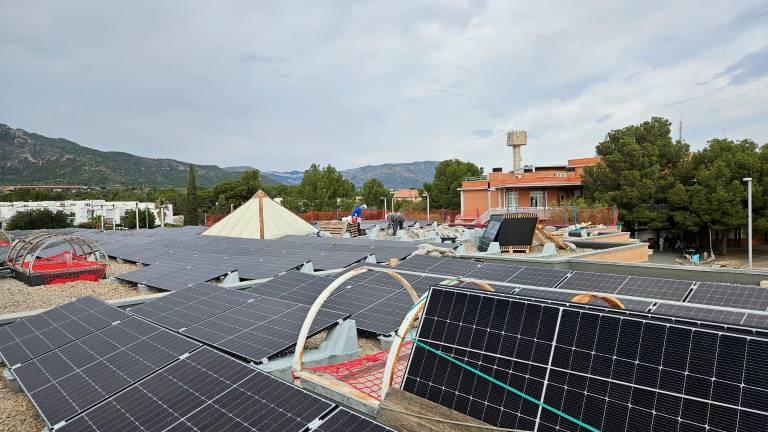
(325, 190)
(232, 194)
(38, 219)
(373, 191)
(718, 195)
(444, 189)
(635, 172)
(129, 219)
(191, 210)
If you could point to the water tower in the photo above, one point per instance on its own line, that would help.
(516, 139)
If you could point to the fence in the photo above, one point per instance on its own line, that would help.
(556, 216)
(439, 215)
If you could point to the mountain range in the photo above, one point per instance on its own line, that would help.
(30, 158)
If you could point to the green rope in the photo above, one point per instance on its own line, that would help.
(495, 381)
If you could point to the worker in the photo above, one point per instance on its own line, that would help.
(357, 212)
(396, 221)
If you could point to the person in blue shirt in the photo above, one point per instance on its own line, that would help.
(357, 213)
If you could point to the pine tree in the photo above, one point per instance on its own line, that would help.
(191, 211)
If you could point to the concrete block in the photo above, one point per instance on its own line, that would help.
(11, 381)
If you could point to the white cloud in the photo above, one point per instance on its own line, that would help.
(279, 86)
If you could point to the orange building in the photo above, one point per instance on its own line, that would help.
(407, 195)
(540, 186)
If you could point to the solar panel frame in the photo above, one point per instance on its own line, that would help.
(616, 371)
(36, 335)
(70, 379)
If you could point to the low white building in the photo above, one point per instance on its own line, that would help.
(82, 211)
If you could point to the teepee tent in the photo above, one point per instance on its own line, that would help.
(260, 218)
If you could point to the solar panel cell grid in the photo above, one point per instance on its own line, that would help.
(593, 282)
(260, 329)
(75, 376)
(343, 420)
(454, 267)
(494, 272)
(203, 392)
(700, 314)
(419, 263)
(728, 295)
(612, 372)
(534, 276)
(31, 337)
(185, 308)
(662, 289)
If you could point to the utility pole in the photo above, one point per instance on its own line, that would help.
(138, 227)
(749, 220)
(385, 207)
(146, 215)
(426, 194)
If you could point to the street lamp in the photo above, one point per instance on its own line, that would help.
(749, 220)
(426, 194)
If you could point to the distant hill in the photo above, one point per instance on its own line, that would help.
(395, 175)
(29, 158)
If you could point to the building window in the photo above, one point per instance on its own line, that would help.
(538, 199)
(560, 174)
(512, 199)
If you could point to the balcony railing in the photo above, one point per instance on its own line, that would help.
(476, 178)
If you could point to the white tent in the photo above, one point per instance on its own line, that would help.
(261, 218)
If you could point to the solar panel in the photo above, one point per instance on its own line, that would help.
(454, 267)
(609, 371)
(186, 276)
(182, 309)
(419, 263)
(494, 272)
(260, 329)
(540, 277)
(629, 304)
(593, 282)
(142, 274)
(343, 420)
(755, 320)
(728, 295)
(662, 289)
(294, 286)
(70, 379)
(386, 315)
(31, 337)
(205, 391)
(700, 314)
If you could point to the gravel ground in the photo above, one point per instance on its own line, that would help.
(15, 296)
(17, 414)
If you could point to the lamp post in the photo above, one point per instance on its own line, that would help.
(749, 220)
(426, 194)
(385, 207)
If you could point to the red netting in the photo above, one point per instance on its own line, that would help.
(5, 243)
(366, 373)
(67, 267)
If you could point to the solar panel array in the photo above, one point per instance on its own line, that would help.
(205, 391)
(38, 334)
(70, 379)
(132, 375)
(611, 371)
(181, 309)
(260, 329)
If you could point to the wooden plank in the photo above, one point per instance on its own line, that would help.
(405, 412)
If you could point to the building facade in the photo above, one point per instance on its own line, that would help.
(407, 195)
(530, 187)
(82, 211)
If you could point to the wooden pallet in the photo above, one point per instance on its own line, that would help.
(338, 228)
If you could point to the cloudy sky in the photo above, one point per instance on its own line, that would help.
(278, 85)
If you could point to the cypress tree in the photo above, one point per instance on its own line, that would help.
(191, 211)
